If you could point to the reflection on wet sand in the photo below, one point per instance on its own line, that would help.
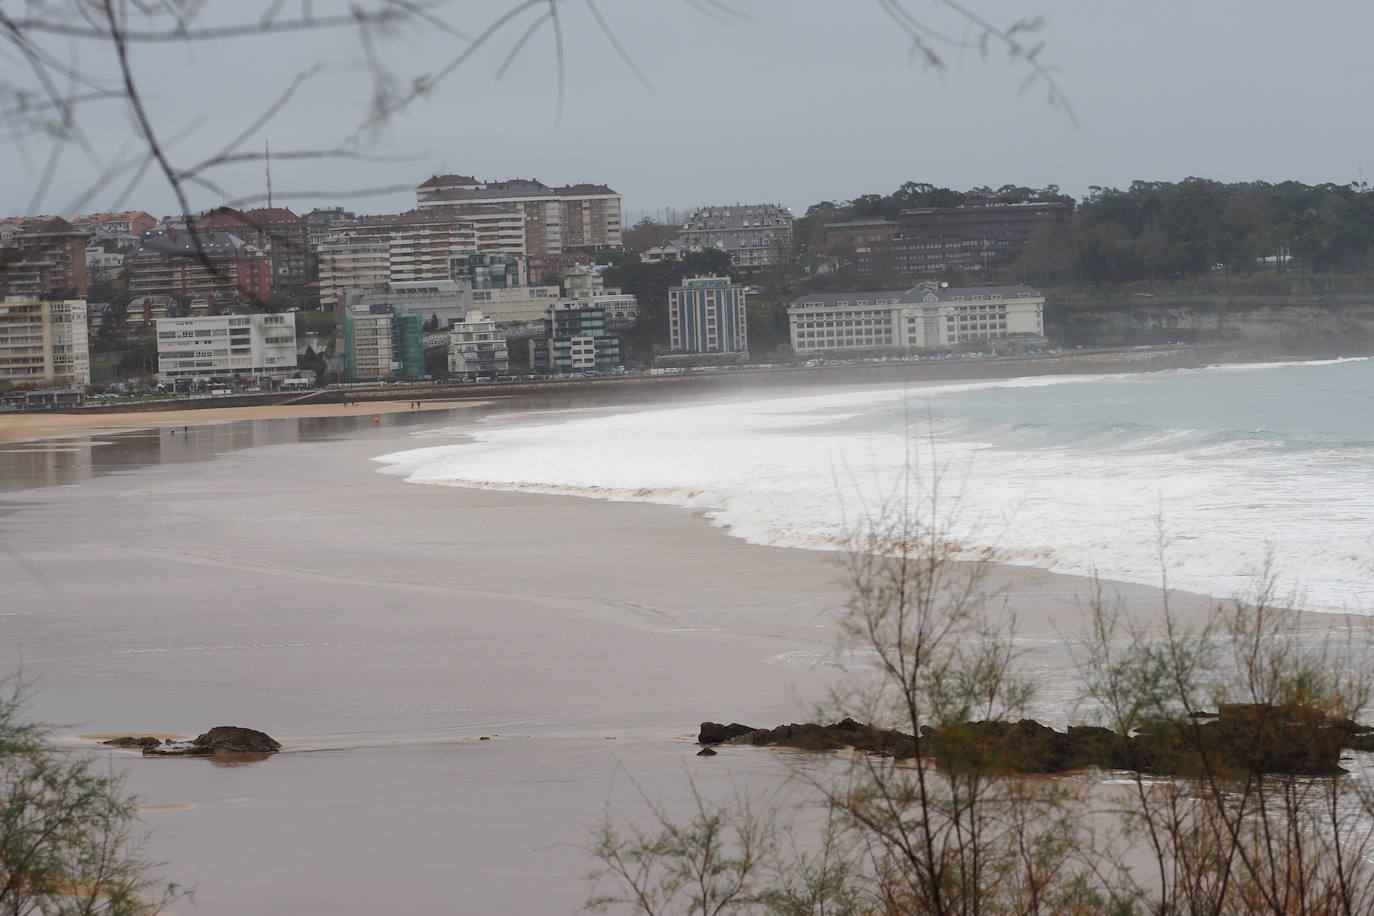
(63, 462)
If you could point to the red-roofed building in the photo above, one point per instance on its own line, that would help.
(276, 230)
(207, 265)
(130, 222)
(42, 257)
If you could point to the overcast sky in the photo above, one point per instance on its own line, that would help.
(807, 100)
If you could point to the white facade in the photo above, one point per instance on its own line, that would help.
(556, 219)
(43, 342)
(446, 300)
(373, 351)
(924, 317)
(517, 305)
(476, 347)
(350, 261)
(582, 351)
(584, 286)
(400, 248)
(224, 345)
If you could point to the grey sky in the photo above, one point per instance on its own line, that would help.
(808, 100)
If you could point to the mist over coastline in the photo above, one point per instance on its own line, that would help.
(1075, 474)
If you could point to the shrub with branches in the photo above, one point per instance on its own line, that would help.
(1251, 818)
(69, 835)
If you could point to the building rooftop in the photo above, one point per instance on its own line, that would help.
(918, 293)
(171, 243)
(431, 216)
(42, 225)
(273, 216)
(737, 216)
(515, 187)
(861, 222)
(98, 218)
(438, 181)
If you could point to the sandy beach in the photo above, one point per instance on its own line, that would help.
(265, 574)
(37, 425)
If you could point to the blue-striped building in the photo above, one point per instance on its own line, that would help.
(706, 315)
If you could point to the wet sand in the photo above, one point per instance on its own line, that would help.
(380, 629)
(38, 425)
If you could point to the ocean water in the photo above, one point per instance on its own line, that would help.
(1208, 476)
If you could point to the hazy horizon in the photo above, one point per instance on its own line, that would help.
(797, 104)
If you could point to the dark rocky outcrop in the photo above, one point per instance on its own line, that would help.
(714, 733)
(1254, 738)
(130, 741)
(222, 739)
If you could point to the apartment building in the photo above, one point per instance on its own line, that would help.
(489, 270)
(517, 306)
(401, 248)
(441, 301)
(279, 232)
(126, 225)
(219, 267)
(969, 237)
(43, 343)
(576, 339)
(383, 344)
(584, 286)
(500, 227)
(707, 315)
(849, 235)
(221, 346)
(319, 221)
(102, 264)
(754, 235)
(928, 316)
(42, 257)
(555, 220)
(477, 348)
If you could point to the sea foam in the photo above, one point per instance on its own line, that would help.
(1076, 474)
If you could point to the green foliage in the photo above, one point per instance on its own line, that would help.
(807, 230)
(769, 336)
(315, 323)
(649, 283)
(955, 830)
(107, 291)
(1154, 231)
(310, 360)
(67, 833)
(436, 362)
(141, 359)
(285, 301)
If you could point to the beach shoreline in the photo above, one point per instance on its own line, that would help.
(380, 629)
(40, 426)
(51, 424)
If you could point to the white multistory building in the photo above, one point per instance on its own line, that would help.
(517, 306)
(397, 248)
(44, 342)
(218, 346)
(554, 220)
(584, 286)
(754, 235)
(477, 348)
(929, 316)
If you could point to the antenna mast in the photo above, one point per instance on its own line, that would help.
(267, 159)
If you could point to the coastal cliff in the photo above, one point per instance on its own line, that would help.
(1336, 323)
